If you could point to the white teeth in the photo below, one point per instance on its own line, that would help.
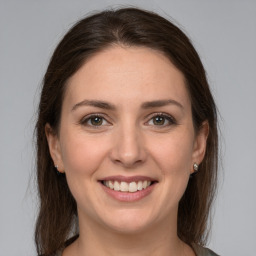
(133, 187)
(140, 185)
(116, 186)
(144, 184)
(127, 187)
(124, 187)
(111, 184)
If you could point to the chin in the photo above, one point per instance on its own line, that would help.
(129, 221)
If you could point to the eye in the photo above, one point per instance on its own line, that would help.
(94, 121)
(161, 119)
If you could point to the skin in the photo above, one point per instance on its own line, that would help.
(128, 141)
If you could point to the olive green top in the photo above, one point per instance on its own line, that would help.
(202, 251)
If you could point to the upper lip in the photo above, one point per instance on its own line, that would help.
(127, 179)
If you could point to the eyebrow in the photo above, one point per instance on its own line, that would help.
(94, 103)
(109, 106)
(160, 103)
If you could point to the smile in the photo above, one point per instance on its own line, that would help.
(127, 187)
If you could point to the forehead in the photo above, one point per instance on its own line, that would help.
(121, 73)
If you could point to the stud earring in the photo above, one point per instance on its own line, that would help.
(195, 167)
(57, 170)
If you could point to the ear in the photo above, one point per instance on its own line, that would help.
(54, 147)
(200, 144)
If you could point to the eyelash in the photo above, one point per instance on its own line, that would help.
(169, 118)
(85, 120)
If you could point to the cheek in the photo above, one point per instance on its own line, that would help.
(82, 155)
(174, 154)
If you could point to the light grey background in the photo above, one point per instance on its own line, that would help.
(224, 33)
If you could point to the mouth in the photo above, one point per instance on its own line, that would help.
(128, 189)
(131, 187)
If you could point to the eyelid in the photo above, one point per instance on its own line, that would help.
(86, 118)
(169, 117)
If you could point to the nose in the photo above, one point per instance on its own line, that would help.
(128, 148)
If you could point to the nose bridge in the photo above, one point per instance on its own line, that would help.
(128, 148)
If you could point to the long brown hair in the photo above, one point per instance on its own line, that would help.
(129, 27)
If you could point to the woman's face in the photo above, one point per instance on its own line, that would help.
(127, 142)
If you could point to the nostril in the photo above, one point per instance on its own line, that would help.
(128, 162)
(128, 151)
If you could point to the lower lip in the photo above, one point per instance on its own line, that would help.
(128, 196)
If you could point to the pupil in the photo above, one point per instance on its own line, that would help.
(96, 121)
(159, 120)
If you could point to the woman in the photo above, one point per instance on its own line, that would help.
(126, 141)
